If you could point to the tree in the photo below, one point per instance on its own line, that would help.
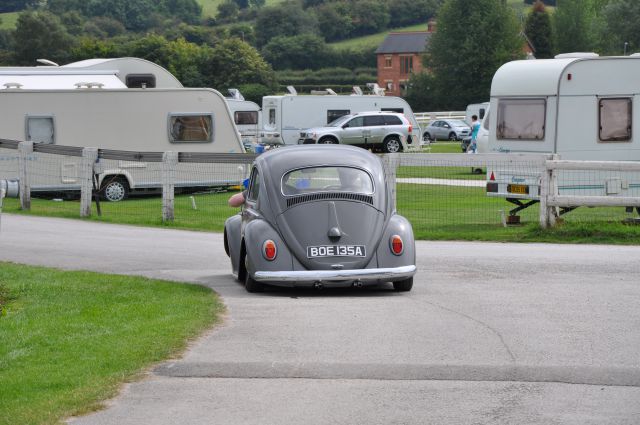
(188, 11)
(334, 20)
(284, 19)
(227, 11)
(306, 51)
(573, 22)
(473, 40)
(537, 27)
(369, 16)
(40, 35)
(621, 25)
(232, 63)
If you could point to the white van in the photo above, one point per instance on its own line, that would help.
(285, 117)
(581, 107)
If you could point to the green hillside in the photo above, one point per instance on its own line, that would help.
(8, 20)
(210, 7)
(374, 40)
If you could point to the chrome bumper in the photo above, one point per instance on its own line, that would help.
(388, 274)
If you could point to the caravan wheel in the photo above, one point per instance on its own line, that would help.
(114, 188)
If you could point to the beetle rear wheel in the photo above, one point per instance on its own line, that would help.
(250, 284)
(328, 141)
(403, 285)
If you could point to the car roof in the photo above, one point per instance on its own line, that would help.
(281, 160)
(276, 162)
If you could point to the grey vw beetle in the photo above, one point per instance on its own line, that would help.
(319, 216)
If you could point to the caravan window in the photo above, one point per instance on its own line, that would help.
(334, 114)
(521, 119)
(615, 120)
(40, 130)
(191, 128)
(246, 117)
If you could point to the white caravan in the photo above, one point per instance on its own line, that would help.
(90, 104)
(477, 109)
(284, 117)
(580, 107)
(246, 116)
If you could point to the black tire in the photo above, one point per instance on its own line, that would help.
(452, 136)
(250, 284)
(328, 141)
(114, 188)
(392, 145)
(427, 137)
(403, 285)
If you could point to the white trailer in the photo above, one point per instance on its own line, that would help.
(477, 109)
(89, 104)
(247, 118)
(284, 117)
(581, 107)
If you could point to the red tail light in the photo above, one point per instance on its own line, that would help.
(397, 247)
(410, 128)
(269, 250)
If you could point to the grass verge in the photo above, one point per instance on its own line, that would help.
(70, 339)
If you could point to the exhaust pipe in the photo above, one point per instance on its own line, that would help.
(10, 188)
(318, 285)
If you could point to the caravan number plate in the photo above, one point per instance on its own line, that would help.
(336, 251)
(518, 188)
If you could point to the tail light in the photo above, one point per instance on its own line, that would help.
(410, 128)
(269, 250)
(396, 244)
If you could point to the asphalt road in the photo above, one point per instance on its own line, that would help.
(492, 333)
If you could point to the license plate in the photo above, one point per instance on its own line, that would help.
(336, 251)
(518, 188)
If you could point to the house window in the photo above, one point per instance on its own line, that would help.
(404, 84)
(246, 117)
(389, 85)
(387, 62)
(615, 120)
(334, 114)
(40, 130)
(191, 128)
(406, 64)
(521, 119)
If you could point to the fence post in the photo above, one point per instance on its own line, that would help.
(169, 166)
(25, 149)
(391, 162)
(89, 157)
(544, 196)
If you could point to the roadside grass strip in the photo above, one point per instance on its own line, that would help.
(70, 339)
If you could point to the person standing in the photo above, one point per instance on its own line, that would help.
(475, 128)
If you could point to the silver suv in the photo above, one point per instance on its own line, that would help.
(386, 131)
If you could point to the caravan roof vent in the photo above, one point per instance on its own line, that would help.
(292, 90)
(634, 55)
(89, 85)
(331, 92)
(375, 89)
(577, 55)
(357, 91)
(47, 62)
(235, 94)
(12, 85)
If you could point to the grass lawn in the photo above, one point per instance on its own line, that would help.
(435, 211)
(70, 339)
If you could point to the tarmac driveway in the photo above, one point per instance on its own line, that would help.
(491, 334)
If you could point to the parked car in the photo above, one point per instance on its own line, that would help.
(319, 216)
(446, 130)
(386, 131)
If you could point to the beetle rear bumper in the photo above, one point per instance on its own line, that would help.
(383, 274)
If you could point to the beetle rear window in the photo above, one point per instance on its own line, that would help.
(326, 179)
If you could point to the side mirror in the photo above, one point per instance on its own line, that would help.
(346, 125)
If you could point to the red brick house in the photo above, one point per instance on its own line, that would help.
(398, 56)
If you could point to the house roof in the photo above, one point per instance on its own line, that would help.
(405, 42)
